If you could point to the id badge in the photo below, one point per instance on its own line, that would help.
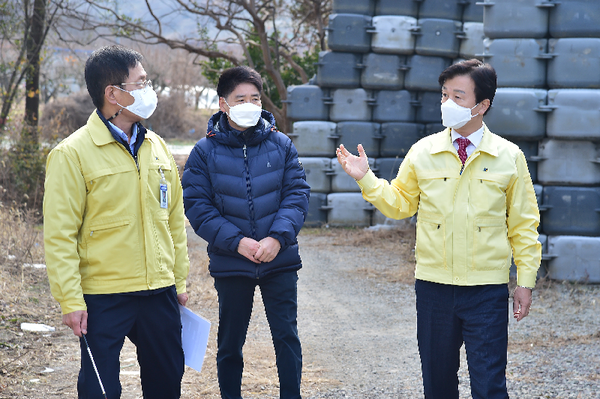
(163, 195)
(164, 200)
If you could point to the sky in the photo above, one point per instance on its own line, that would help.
(183, 24)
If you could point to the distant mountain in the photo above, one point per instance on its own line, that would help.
(183, 24)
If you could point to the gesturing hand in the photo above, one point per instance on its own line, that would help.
(356, 166)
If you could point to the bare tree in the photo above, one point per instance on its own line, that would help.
(264, 34)
(24, 27)
(34, 43)
(173, 69)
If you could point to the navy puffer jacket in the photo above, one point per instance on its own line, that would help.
(248, 184)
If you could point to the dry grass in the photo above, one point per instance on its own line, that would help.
(20, 243)
(25, 297)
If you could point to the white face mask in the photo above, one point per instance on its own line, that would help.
(244, 115)
(455, 116)
(144, 102)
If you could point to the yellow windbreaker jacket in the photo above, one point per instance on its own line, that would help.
(104, 229)
(469, 224)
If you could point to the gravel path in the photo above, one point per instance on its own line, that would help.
(361, 328)
(357, 326)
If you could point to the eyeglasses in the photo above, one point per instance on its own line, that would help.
(139, 85)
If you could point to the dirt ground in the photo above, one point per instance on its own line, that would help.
(356, 323)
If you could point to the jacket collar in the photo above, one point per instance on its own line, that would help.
(98, 130)
(488, 143)
(102, 133)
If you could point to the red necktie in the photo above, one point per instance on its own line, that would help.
(463, 143)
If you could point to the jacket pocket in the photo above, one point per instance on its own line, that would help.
(431, 241)
(112, 250)
(105, 190)
(491, 249)
(489, 192)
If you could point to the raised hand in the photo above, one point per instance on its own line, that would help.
(356, 166)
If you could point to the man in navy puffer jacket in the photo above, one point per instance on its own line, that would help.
(245, 193)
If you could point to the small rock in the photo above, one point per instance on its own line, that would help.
(35, 265)
(36, 327)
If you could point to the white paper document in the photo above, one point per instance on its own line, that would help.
(194, 337)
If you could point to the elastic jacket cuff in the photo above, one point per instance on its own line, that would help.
(72, 305)
(368, 181)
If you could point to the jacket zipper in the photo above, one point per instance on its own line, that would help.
(250, 202)
(249, 193)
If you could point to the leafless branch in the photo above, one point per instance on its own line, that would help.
(277, 27)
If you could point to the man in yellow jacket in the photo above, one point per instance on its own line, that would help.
(476, 210)
(114, 233)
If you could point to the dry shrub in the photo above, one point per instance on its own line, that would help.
(22, 164)
(173, 119)
(22, 178)
(64, 115)
(6, 195)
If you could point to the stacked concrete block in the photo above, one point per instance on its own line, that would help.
(376, 85)
(547, 55)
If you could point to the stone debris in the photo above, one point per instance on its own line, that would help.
(36, 327)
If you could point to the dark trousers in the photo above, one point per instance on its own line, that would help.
(449, 315)
(236, 297)
(153, 324)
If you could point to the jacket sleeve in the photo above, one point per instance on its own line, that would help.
(205, 218)
(177, 226)
(397, 199)
(295, 195)
(64, 206)
(523, 219)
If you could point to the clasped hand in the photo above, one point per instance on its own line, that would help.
(261, 251)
